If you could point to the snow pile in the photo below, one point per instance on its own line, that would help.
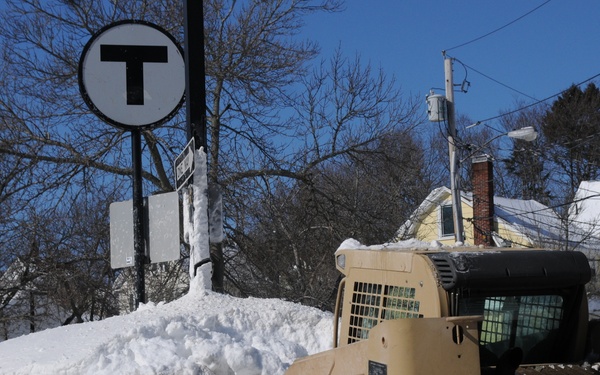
(201, 333)
(410, 244)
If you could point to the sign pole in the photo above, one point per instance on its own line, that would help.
(195, 90)
(195, 94)
(138, 211)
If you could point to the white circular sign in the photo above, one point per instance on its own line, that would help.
(132, 74)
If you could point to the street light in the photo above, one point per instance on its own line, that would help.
(527, 133)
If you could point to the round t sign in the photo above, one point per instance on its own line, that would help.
(132, 74)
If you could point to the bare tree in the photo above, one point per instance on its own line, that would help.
(252, 57)
(273, 124)
(60, 271)
(356, 173)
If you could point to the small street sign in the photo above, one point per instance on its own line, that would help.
(184, 165)
(132, 75)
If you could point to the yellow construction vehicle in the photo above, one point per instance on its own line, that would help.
(458, 311)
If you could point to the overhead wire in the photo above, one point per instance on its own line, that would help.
(494, 80)
(500, 83)
(531, 104)
(498, 29)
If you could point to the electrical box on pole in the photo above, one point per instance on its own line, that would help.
(436, 107)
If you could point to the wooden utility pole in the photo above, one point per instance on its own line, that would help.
(454, 164)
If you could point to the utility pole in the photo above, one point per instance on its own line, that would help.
(454, 167)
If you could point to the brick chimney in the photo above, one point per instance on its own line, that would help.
(483, 200)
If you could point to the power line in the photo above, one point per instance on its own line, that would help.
(498, 29)
(534, 103)
(494, 80)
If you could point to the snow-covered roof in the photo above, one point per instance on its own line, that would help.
(584, 214)
(433, 199)
(528, 217)
(535, 220)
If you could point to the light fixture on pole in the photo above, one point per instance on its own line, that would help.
(527, 134)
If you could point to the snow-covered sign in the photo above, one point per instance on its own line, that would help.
(185, 165)
(132, 74)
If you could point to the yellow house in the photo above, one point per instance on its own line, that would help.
(519, 223)
(487, 219)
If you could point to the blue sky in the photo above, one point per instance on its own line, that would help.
(539, 55)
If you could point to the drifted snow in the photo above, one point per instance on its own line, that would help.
(201, 333)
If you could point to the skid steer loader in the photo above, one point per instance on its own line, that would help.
(458, 311)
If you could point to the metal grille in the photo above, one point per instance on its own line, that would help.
(400, 303)
(496, 325)
(364, 313)
(510, 318)
(372, 303)
(539, 313)
(446, 272)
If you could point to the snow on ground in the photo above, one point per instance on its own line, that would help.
(201, 333)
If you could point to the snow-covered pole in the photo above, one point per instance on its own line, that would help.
(196, 196)
(195, 200)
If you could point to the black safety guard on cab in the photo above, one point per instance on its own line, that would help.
(490, 269)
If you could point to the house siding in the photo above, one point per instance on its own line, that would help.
(427, 226)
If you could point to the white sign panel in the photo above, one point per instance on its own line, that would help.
(161, 230)
(132, 74)
(163, 227)
(121, 234)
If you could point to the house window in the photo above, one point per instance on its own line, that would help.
(447, 221)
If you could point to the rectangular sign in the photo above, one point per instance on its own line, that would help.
(121, 234)
(161, 230)
(184, 165)
(163, 227)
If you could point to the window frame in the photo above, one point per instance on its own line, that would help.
(442, 218)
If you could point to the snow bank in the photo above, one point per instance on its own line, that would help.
(201, 333)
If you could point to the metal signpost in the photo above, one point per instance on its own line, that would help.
(195, 95)
(132, 76)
